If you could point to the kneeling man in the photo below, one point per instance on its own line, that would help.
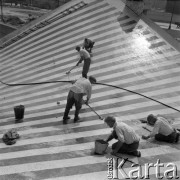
(163, 130)
(128, 140)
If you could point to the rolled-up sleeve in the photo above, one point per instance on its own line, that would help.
(119, 134)
(155, 129)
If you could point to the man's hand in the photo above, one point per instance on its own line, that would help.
(86, 102)
(73, 81)
(77, 63)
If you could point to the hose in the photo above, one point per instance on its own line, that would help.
(7, 84)
(138, 94)
(25, 84)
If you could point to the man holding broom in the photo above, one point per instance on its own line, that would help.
(84, 56)
(80, 87)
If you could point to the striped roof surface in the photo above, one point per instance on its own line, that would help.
(128, 53)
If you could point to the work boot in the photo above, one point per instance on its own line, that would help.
(65, 119)
(136, 153)
(76, 119)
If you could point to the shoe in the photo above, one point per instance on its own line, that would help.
(137, 153)
(66, 119)
(177, 138)
(76, 119)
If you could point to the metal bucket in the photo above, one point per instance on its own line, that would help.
(100, 146)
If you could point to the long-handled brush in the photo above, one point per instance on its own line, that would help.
(68, 72)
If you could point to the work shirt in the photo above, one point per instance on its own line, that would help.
(125, 133)
(84, 54)
(162, 126)
(82, 86)
(87, 43)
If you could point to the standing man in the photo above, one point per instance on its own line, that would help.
(128, 140)
(84, 55)
(163, 130)
(88, 44)
(79, 88)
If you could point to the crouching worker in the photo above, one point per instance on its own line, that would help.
(163, 130)
(88, 45)
(127, 139)
(80, 87)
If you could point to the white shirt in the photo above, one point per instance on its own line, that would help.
(125, 133)
(84, 54)
(162, 126)
(82, 86)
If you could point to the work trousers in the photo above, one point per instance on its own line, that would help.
(125, 148)
(170, 138)
(87, 63)
(73, 98)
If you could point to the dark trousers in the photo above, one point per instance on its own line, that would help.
(72, 99)
(170, 138)
(125, 148)
(87, 63)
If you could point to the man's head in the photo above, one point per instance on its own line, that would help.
(151, 119)
(78, 48)
(92, 80)
(110, 120)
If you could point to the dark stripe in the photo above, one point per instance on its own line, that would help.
(60, 172)
(122, 18)
(152, 38)
(145, 32)
(39, 146)
(63, 131)
(156, 45)
(127, 23)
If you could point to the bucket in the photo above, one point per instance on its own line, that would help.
(19, 112)
(100, 146)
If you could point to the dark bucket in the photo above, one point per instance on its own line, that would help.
(100, 146)
(19, 112)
